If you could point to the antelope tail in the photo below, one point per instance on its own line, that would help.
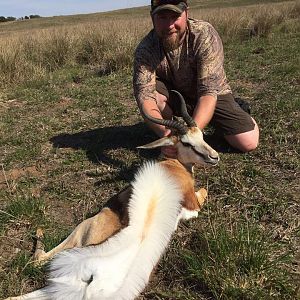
(119, 269)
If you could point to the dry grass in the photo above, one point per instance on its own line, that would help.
(107, 44)
(250, 21)
(103, 44)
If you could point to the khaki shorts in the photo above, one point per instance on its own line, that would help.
(229, 118)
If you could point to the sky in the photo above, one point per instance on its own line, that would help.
(48, 8)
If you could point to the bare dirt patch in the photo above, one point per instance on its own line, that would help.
(6, 177)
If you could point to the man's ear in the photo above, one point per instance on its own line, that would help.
(187, 12)
(165, 141)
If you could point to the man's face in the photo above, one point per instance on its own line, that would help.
(170, 28)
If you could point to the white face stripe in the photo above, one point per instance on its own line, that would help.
(194, 138)
(193, 148)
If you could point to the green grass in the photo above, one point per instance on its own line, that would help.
(238, 263)
(68, 143)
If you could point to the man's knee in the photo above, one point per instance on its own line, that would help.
(242, 143)
(246, 141)
(249, 145)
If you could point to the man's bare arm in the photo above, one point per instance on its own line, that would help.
(151, 108)
(204, 110)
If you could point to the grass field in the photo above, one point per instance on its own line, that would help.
(69, 128)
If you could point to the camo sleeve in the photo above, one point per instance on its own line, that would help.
(144, 74)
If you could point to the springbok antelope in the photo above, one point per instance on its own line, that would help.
(134, 227)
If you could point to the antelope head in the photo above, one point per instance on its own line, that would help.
(191, 147)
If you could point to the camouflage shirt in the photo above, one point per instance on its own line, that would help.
(194, 69)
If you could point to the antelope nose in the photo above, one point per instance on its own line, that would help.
(214, 157)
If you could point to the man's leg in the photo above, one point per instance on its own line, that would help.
(239, 129)
(246, 141)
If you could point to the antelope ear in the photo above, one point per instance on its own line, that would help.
(165, 141)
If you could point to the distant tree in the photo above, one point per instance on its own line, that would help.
(3, 19)
(34, 16)
(10, 18)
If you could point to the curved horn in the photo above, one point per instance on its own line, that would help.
(168, 123)
(186, 117)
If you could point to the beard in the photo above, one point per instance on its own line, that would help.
(171, 42)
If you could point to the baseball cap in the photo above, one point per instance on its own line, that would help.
(175, 5)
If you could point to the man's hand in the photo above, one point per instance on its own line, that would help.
(150, 107)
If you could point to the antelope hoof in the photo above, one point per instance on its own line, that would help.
(201, 196)
(39, 250)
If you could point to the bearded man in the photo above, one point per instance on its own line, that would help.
(187, 55)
